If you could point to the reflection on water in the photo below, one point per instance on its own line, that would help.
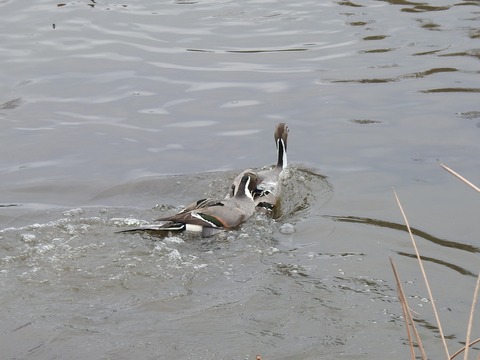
(441, 262)
(433, 239)
(402, 77)
(11, 104)
(449, 90)
(401, 227)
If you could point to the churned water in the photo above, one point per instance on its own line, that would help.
(115, 114)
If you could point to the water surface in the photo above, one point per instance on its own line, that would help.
(114, 114)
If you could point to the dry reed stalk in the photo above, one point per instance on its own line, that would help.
(470, 319)
(432, 301)
(463, 348)
(460, 177)
(407, 314)
(475, 294)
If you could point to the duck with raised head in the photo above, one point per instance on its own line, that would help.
(210, 216)
(267, 191)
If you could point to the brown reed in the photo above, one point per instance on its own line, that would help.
(406, 310)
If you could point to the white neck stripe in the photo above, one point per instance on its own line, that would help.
(247, 191)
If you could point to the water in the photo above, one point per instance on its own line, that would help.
(114, 114)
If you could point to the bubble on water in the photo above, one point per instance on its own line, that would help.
(94, 220)
(73, 212)
(173, 240)
(45, 248)
(127, 222)
(175, 256)
(271, 250)
(200, 266)
(70, 229)
(222, 235)
(287, 228)
(28, 238)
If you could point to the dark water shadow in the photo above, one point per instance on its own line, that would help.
(416, 7)
(11, 104)
(414, 75)
(454, 267)
(401, 227)
(426, 236)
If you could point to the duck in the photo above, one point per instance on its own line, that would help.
(267, 192)
(210, 216)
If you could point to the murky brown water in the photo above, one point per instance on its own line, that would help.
(115, 114)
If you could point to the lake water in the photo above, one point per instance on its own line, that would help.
(114, 114)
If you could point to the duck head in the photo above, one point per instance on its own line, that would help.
(247, 186)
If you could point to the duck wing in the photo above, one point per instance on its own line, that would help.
(200, 204)
(219, 214)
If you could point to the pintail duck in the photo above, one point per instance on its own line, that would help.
(210, 216)
(267, 191)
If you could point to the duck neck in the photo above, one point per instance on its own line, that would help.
(281, 154)
(243, 190)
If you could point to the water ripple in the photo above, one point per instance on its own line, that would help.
(420, 74)
(96, 93)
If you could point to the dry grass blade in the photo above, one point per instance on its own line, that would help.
(407, 315)
(463, 348)
(460, 177)
(432, 301)
(470, 319)
(475, 295)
